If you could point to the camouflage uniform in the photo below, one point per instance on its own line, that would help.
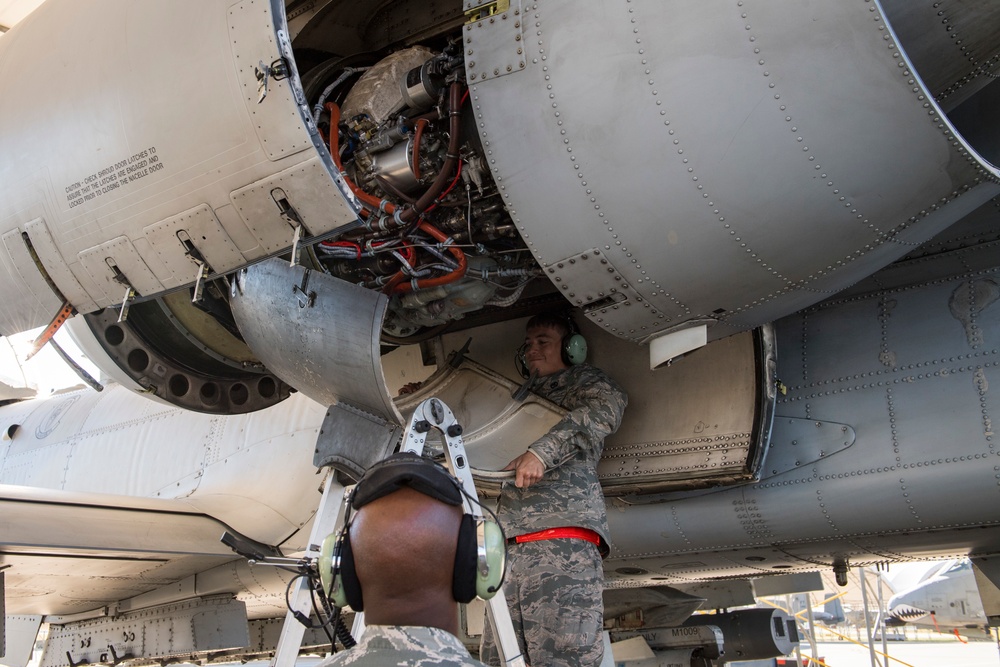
(392, 645)
(554, 587)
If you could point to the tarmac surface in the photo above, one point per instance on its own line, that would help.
(912, 654)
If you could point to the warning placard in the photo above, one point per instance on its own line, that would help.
(113, 177)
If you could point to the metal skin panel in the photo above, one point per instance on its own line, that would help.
(56, 265)
(17, 636)
(353, 440)
(199, 625)
(923, 425)
(251, 32)
(307, 188)
(142, 117)
(697, 421)
(333, 358)
(767, 137)
(967, 28)
(800, 442)
(33, 294)
(201, 227)
(495, 45)
(121, 254)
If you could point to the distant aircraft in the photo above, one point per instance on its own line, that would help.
(829, 613)
(947, 600)
(274, 214)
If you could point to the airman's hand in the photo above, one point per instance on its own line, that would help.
(527, 468)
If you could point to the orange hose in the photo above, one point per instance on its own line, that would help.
(417, 135)
(371, 200)
(397, 284)
(403, 287)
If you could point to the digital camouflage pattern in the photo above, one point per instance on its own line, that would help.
(554, 590)
(404, 645)
(569, 493)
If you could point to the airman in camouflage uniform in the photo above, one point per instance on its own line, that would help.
(397, 564)
(385, 645)
(554, 587)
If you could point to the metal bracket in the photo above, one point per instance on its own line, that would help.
(199, 282)
(493, 39)
(123, 311)
(296, 237)
(475, 11)
(802, 442)
(292, 217)
(191, 251)
(277, 70)
(302, 292)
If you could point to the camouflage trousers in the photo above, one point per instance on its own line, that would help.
(554, 592)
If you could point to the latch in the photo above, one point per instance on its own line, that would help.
(130, 292)
(306, 297)
(292, 217)
(477, 11)
(203, 268)
(277, 70)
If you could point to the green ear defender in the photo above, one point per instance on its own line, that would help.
(574, 349)
(491, 558)
(329, 573)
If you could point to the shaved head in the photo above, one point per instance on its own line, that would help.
(404, 547)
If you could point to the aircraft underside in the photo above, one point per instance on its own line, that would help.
(776, 223)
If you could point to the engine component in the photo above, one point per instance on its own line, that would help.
(187, 357)
(421, 176)
(443, 303)
(395, 166)
(378, 94)
(422, 85)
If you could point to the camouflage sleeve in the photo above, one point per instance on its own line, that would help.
(598, 410)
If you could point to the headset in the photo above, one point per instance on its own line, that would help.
(481, 553)
(573, 349)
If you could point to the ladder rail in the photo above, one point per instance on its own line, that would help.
(328, 518)
(433, 413)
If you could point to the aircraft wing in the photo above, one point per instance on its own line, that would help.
(99, 548)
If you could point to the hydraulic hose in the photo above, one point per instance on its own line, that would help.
(411, 213)
(417, 136)
(459, 272)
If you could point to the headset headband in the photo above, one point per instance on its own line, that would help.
(406, 469)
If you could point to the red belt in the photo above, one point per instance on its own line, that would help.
(557, 533)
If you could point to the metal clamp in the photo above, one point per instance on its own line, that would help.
(277, 70)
